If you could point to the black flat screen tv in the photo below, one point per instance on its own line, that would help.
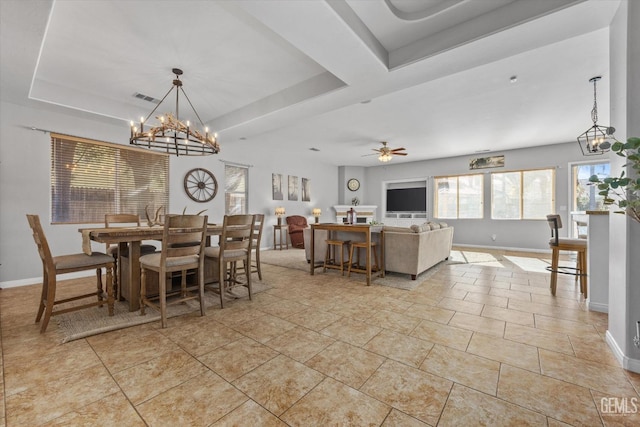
(407, 200)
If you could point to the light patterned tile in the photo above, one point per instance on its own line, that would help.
(542, 394)
(146, 380)
(278, 383)
(487, 299)
(265, 328)
(412, 391)
(442, 334)
(478, 323)
(334, 403)
(314, 319)
(237, 358)
(539, 338)
(593, 375)
(427, 312)
(400, 419)
(351, 331)
(469, 407)
(459, 305)
(408, 350)
(463, 368)
(120, 413)
(249, 414)
(346, 363)
(191, 403)
(507, 315)
(501, 350)
(395, 321)
(300, 343)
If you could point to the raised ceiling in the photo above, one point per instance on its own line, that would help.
(293, 75)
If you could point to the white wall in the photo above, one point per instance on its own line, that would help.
(526, 234)
(25, 183)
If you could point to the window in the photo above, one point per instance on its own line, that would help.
(522, 194)
(585, 196)
(235, 189)
(459, 196)
(91, 178)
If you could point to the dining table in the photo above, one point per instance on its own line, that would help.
(131, 238)
(365, 229)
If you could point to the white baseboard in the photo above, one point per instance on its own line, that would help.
(38, 280)
(627, 363)
(503, 248)
(596, 306)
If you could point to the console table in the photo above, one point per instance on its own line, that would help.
(365, 229)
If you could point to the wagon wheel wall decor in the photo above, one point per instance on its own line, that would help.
(200, 185)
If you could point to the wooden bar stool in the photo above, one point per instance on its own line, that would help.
(331, 262)
(362, 245)
(558, 244)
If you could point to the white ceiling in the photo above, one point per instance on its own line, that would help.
(292, 75)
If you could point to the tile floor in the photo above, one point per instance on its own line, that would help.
(481, 343)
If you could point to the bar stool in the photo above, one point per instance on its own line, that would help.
(563, 244)
(331, 262)
(357, 246)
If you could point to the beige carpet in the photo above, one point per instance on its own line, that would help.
(92, 321)
(296, 259)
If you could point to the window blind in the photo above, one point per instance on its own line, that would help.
(91, 178)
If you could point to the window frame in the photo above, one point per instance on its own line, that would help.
(457, 178)
(228, 194)
(65, 209)
(521, 191)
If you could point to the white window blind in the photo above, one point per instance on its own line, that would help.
(91, 178)
(235, 189)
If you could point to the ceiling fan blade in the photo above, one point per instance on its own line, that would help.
(398, 149)
(399, 154)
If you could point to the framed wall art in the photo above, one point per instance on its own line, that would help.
(306, 190)
(276, 185)
(487, 162)
(293, 187)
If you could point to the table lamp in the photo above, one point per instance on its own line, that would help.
(316, 212)
(280, 213)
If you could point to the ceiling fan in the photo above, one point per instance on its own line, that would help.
(386, 153)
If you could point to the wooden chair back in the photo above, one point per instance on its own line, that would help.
(237, 236)
(183, 235)
(41, 243)
(121, 219)
(555, 223)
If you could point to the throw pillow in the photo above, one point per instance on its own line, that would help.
(420, 228)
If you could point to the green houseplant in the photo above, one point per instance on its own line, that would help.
(623, 191)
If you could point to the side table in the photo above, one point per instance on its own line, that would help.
(281, 228)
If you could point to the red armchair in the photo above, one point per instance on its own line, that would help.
(296, 224)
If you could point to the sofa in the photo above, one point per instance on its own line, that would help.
(415, 249)
(409, 250)
(295, 225)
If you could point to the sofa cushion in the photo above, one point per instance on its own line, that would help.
(420, 228)
(397, 229)
(434, 225)
(443, 225)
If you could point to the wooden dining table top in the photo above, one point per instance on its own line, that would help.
(131, 234)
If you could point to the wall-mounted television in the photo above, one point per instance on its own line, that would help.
(407, 200)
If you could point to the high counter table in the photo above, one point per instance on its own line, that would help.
(366, 229)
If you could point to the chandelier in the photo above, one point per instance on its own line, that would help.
(596, 139)
(171, 135)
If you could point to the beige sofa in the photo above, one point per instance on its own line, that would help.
(414, 249)
(409, 250)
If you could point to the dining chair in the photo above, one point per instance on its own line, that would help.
(123, 220)
(52, 266)
(183, 242)
(558, 244)
(257, 238)
(234, 246)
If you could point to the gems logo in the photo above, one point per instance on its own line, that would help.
(618, 406)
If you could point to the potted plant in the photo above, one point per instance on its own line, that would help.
(623, 191)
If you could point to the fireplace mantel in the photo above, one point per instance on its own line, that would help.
(364, 213)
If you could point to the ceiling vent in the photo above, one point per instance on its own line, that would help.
(145, 97)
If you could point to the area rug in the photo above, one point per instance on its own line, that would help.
(92, 321)
(296, 259)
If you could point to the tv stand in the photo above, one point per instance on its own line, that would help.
(404, 219)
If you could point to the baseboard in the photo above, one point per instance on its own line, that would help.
(38, 280)
(627, 363)
(599, 307)
(502, 248)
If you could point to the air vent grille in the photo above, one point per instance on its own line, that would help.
(145, 97)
